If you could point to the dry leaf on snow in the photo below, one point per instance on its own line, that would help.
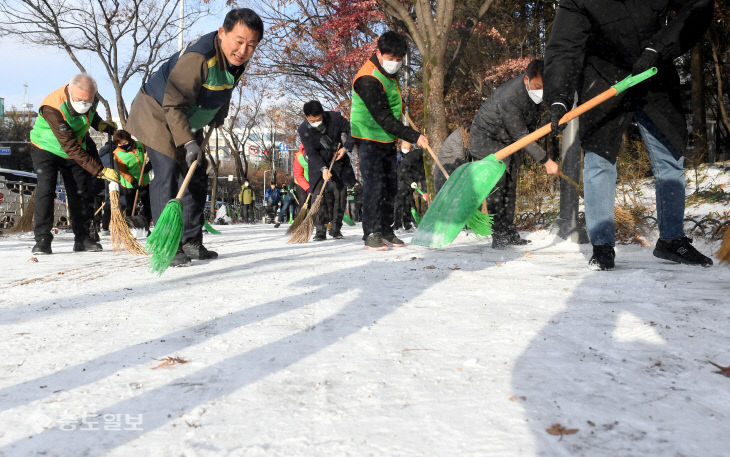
(169, 362)
(725, 371)
(559, 430)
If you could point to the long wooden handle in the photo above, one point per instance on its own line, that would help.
(545, 129)
(329, 170)
(428, 148)
(192, 168)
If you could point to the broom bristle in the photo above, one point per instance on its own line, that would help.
(165, 237)
(625, 222)
(304, 231)
(299, 219)
(480, 223)
(25, 222)
(724, 253)
(120, 235)
(210, 229)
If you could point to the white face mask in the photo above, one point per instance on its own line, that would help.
(315, 124)
(404, 150)
(245, 184)
(391, 66)
(535, 94)
(80, 107)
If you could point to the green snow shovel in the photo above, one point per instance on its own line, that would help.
(471, 183)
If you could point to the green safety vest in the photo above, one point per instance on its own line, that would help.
(43, 137)
(362, 123)
(134, 160)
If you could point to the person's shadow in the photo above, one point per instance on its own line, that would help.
(625, 363)
(368, 293)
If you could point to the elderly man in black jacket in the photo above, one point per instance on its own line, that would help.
(510, 113)
(324, 135)
(593, 45)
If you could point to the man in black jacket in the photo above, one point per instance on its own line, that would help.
(593, 45)
(410, 170)
(376, 125)
(321, 134)
(510, 113)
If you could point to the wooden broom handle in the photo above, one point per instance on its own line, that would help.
(428, 148)
(545, 129)
(329, 170)
(192, 168)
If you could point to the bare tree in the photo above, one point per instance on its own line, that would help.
(243, 118)
(128, 37)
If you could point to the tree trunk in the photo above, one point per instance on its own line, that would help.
(699, 117)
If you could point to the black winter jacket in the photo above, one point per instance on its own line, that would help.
(594, 44)
(337, 129)
(505, 117)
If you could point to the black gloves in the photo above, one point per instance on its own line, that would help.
(646, 60)
(557, 111)
(193, 152)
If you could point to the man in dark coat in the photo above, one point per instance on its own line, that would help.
(189, 92)
(511, 112)
(410, 170)
(593, 45)
(324, 135)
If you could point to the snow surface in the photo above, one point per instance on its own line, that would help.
(326, 349)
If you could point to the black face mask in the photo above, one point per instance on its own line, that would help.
(129, 147)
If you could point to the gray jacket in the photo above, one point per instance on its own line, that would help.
(505, 117)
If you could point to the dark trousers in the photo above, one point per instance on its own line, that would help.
(331, 209)
(378, 168)
(501, 202)
(169, 175)
(403, 204)
(144, 198)
(247, 212)
(79, 194)
(289, 206)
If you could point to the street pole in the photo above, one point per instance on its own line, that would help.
(567, 224)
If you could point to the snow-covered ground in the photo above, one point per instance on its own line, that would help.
(325, 349)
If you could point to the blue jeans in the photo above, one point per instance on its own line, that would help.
(599, 177)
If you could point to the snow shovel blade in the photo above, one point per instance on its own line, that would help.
(456, 202)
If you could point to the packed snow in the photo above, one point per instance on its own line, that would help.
(325, 349)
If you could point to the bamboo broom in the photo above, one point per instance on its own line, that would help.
(303, 231)
(25, 222)
(120, 235)
(724, 253)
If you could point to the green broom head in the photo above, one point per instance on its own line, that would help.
(210, 229)
(416, 216)
(480, 223)
(164, 240)
(291, 218)
(348, 220)
(457, 202)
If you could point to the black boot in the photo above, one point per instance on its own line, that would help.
(681, 251)
(320, 233)
(43, 245)
(181, 259)
(195, 250)
(336, 233)
(515, 239)
(500, 240)
(86, 244)
(603, 257)
(391, 240)
(374, 242)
